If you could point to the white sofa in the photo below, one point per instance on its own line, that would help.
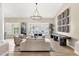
(4, 47)
(34, 45)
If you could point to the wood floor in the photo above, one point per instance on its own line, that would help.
(58, 50)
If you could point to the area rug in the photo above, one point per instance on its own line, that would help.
(17, 48)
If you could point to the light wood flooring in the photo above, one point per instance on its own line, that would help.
(58, 50)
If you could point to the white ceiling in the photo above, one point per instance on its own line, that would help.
(26, 9)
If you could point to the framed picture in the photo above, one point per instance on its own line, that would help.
(59, 28)
(67, 28)
(67, 11)
(67, 20)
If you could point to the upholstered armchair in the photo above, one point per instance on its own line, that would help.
(17, 40)
(22, 36)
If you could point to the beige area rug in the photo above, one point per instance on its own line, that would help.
(30, 53)
(17, 48)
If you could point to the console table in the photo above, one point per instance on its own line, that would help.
(61, 38)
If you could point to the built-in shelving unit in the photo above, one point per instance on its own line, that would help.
(63, 21)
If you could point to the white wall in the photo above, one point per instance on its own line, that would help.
(74, 22)
(1, 23)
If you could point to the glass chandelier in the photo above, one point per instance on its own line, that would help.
(36, 15)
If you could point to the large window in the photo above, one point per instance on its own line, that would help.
(12, 28)
(15, 30)
(42, 28)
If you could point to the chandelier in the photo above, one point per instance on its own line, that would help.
(36, 14)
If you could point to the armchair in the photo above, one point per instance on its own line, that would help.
(17, 41)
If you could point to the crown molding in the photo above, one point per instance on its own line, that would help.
(26, 18)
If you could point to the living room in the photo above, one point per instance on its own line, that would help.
(56, 30)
